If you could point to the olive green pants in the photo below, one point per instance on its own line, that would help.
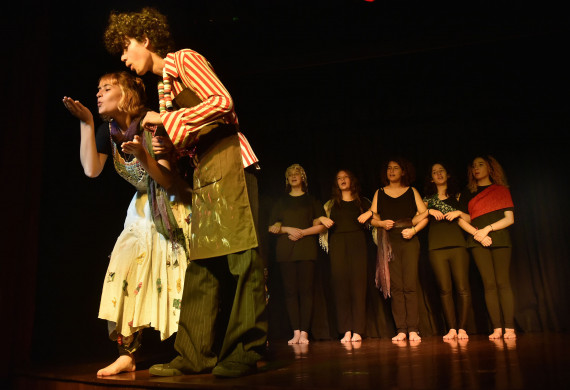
(223, 313)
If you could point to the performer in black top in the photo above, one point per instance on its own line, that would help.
(393, 209)
(345, 241)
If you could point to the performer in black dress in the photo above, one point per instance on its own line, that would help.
(346, 244)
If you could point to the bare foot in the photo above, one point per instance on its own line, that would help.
(296, 337)
(414, 336)
(450, 335)
(510, 334)
(462, 334)
(346, 338)
(356, 338)
(125, 363)
(399, 337)
(497, 334)
(304, 339)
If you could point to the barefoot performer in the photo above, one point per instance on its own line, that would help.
(393, 210)
(346, 244)
(143, 285)
(491, 212)
(198, 114)
(295, 220)
(447, 248)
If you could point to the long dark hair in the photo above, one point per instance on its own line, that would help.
(408, 171)
(354, 189)
(452, 185)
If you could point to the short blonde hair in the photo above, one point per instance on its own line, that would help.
(133, 95)
(294, 169)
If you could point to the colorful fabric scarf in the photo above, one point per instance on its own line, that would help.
(383, 256)
(161, 210)
(495, 197)
(433, 202)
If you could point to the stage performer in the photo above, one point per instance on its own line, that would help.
(491, 211)
(394, 208)
(144, 280)
(198, 114)
(295, 220)
(346, 242)
(447, 247)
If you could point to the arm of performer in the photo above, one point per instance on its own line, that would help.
(502, 223)
(91, 160)
(296, 233)
(216, 104)
(484, 240)
(159, 169)
(410, 232)
(374, 217)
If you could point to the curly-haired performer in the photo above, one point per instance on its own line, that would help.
(394, 209)
(198, 114)
(491, 212)
(143, 284)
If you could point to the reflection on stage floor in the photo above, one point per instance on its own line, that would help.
(537, 360)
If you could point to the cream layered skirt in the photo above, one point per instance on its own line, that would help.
(145, 278)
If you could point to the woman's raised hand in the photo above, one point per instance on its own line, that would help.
(134, 147)
(78, 110)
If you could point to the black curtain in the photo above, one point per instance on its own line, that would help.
(340, 86)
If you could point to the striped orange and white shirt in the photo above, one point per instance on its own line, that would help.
(196, 73)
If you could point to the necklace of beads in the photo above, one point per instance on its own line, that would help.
(165, 92)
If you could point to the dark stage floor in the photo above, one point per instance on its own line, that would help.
(533, 361)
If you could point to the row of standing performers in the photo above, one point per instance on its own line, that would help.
(475, 219)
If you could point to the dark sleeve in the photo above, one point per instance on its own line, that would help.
(276, 212)
(464, 199)
(103, 139)
(318, 209)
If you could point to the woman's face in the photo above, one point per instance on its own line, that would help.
(343, 181)
(108, 97)
(294, 178)
(438, 174)
(394, 172)
(480, 169)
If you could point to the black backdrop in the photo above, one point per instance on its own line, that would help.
(327, 84)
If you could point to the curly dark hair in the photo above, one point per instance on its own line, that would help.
(354, 189)
(408, 171)
(148, 23)
(452, 185)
